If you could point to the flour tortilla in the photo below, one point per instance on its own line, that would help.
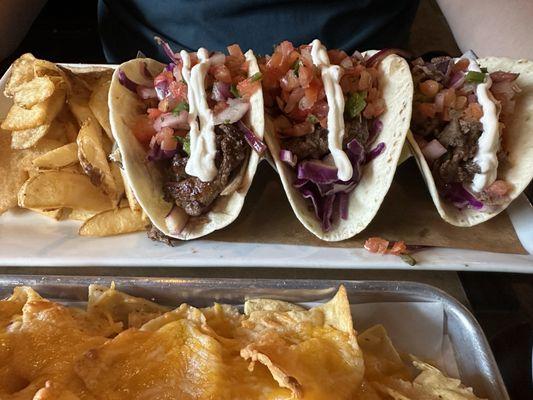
(397, 85)
(518, 170)
(146, 179)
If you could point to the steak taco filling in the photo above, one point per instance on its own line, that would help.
(459, 111)
(193, 127)
(325, 107)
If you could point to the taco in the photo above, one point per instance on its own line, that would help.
(190, 136)
(471, 133)
(335, 126)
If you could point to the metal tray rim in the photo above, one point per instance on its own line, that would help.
(431, 293)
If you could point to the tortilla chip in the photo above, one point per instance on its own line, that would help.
(21, 72)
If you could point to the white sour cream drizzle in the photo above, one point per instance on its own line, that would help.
(489, 141)
(201, 161)
(331, 75)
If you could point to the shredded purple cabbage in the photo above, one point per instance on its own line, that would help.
(318, 182)
(251, 138)
(156, 153)
(460, 197)
(127, 82)
(166, 48)
(145, 71)
(288, 157)
(376, 151)
(317, 171)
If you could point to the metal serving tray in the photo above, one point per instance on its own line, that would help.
(476, 363)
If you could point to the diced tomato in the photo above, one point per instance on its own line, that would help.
(289, 81)
(221, 73)
(178, 90)
(473, 111)
(167, 104)
(305, 75)
(398, 248)
(365, 80)
(461, 65)
(248, 87)
(427, 110)
(166, 139)
(449, 97)
(182, 133)
(235, 50)
(460, 102)
(429, 88)
(301, 129)
(336, 56)
(143, 129)
(310, 95)
(324, 122)
(498, 189)
(153, 113)
(379, 107)
(220, 106)
(350, 82)
(320, 109)
(376, 245)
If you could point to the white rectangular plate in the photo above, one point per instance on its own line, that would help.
(28, 239)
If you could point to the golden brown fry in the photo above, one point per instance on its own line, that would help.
(26, 138)
(59, 214)
(21, 72)
(119, 181)
(98, 104)
(58, 158)
(19, 118)
(12, 175)
(55, 189)
(113, 222)
(93, 158)
(35, 91)
(80, 215)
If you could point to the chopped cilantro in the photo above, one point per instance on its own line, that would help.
(256, 77)
(312, 119)
(185, 143)
(296, 67)
(408, 259)
(234, 91)
(182, 106)
(475, 77)
(355, 104)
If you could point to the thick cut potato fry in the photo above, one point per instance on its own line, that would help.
(19, 118)
(93, 157)
(35, 91)
(61, 157)
(13, 176)
(27, 138)
(21, 72)
(81, 215)
(113, 222)
(119, 181)
(99, 107)
(55, 189)
(47, 68)
(59, 214)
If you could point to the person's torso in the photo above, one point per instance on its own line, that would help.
(127, 26)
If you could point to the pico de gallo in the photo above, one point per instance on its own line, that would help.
(170, 124)
(296, 100)
(458, 122)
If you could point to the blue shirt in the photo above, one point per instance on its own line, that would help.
(127, 26)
